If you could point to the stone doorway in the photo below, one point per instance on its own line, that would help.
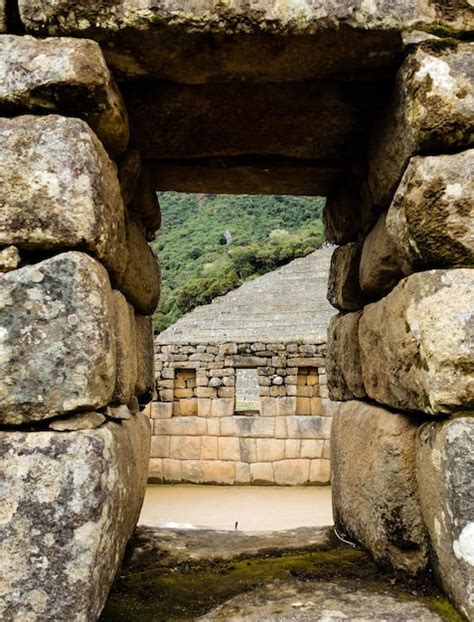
(370, 106)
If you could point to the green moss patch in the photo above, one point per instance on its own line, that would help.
(188, 591)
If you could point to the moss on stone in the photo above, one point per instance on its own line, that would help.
(190, 590)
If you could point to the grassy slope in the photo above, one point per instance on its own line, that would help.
(196, 263)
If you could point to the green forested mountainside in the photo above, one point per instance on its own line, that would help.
(211, 244)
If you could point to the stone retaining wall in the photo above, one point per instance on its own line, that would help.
(198, 436)
(403, 282)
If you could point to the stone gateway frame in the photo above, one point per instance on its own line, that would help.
(102, 104)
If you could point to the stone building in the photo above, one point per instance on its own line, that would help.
(241, 384)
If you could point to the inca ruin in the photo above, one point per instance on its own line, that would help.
(368, 103)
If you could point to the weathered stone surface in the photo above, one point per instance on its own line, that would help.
(431, 218)
(145, 384)
(445, 465)
(3, 16)
(9, 258)
(236, 119)
(125, 349)
(140, 282)
(66, 76)
(58, 350)
(378, 270)
(374, 484)
(257, 174)
(344, 291)
(70, 501)
(145, 203)
(178, 41)
(417, 343)
(129, 167)
(296, 601)
(59, 189)
(344, 369)
(341, 214)
(119, 413)
(82, 421)
(430, 110)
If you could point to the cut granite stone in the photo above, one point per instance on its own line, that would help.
(82, 421)
(430, 111)
(431, 218)
(145, 384)
(344, 291)
(445, 466)
(129, 167)
(70, 502)
(65, 76)
(59, 190)
(344, 369)
(242, 118)
(417, 343)
(141, 280)
(374, 487)
(379, 268)
(57, 343)
(341, 214)
(297, 601)
(266, 41)
(125, 348)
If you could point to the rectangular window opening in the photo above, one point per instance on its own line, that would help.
(247, 392)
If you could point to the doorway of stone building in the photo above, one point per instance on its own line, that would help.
(242, 320)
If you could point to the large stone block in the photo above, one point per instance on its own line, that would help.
(70, 502)
(205, 40)
(291, 472)
(344, 369)
(344, 291)
(445, 467)
(430, 110)
(57, 341)
(59, 190)
(125, 348)
(309, 426)
(145, 383)
(341, 214)
(141, 279)
(65, 76)
(431, 218)
(417, 343)
(374, 486)
(379, 268)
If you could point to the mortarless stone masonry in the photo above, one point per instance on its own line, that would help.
(73, 446)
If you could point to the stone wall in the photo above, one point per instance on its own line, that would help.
(200, 437)
(403, 283)
(76, 353)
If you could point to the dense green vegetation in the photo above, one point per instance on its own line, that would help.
(210, 244)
